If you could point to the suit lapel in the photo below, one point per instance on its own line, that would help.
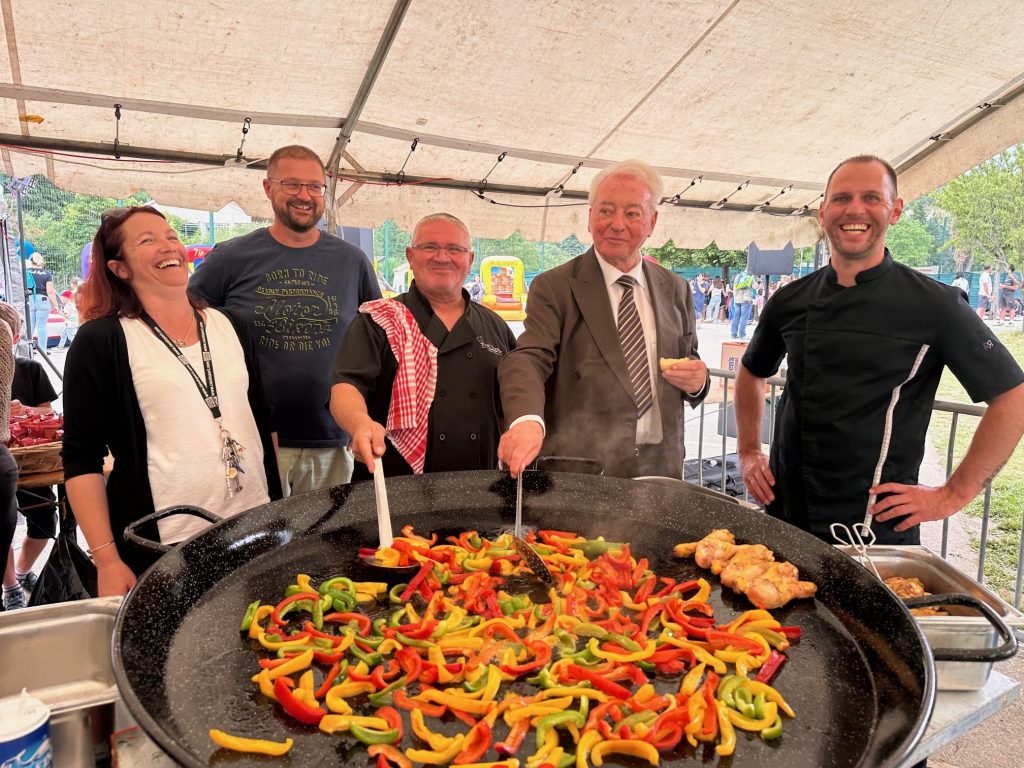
(591, 295)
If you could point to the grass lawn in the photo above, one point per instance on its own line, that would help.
(1007, 506)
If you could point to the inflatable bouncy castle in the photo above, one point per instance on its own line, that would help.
(504, 287)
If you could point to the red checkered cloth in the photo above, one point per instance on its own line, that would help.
(415, 381)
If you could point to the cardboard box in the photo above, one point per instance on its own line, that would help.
(732, 355)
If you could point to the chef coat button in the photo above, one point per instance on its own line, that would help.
(441, 393)
(472, 436)
(441, 437)
(469, 354)
(576, 375)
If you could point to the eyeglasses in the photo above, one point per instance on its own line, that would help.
(292, 187)
(432, 249)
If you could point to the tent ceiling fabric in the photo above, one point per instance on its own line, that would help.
(751, 97)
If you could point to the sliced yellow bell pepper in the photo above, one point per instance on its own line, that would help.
(256, 628)
(771, 694)
(455, 701)
(630, 747)
(583, 747)
(771, 709)
(294, 664)
(640, 655)
(576, 693)
(335, 723)
(727, 743)
(433, 757)
(437, 742)
(252, 746)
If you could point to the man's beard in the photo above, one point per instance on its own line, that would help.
(286, 217)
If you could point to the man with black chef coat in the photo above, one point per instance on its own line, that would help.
(424, 364)
(867, 340)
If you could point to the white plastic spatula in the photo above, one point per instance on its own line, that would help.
(380, 493)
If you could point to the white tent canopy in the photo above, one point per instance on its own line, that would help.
(739, 103)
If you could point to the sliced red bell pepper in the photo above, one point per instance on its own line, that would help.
(276, 617)
(575, 672)
(542, 655)
(771, 667)
(514, 740)
(719, 639)
(394, 720)
(328, 680)
(792, 632)
(464, 717)
(300, 710)
(363, 621)
(477, 742)
(402, 700)
(390, 753)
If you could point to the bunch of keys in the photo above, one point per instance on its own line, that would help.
(231, 455)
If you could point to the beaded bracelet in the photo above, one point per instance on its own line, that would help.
(94, 550)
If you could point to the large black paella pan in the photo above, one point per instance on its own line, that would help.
(861, 679)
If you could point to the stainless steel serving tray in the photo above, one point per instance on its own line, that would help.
(964, 627)
(61, 654)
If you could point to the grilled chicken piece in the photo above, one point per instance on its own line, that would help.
(912, 587)
(749, 569)
(905, 588)
(748, 561)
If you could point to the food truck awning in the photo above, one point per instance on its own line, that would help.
(744, 105)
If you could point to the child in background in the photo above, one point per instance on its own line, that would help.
(70, 311)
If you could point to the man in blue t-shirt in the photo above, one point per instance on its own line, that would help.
(299, 288)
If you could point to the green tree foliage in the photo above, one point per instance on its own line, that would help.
(710, 256)
(987, 208)
(910, 242)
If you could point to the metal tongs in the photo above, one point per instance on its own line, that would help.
(529, 554)
(860, 537)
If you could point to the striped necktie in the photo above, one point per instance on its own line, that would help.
(631, 337)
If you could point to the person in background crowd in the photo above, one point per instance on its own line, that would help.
(298, 288)
(583, 379)
(743, 299)
(985, 291)
(697, 290)
(10, 325)
(1007, 295)
(452, 383)
(31, 390)
(170, 389)
(476, 289)
(72, 289)
(760, 295)
(67, 335)
(717, 291)
(960, 281)
(867, 340)
(43, 297)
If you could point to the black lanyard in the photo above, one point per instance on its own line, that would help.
(207, 388)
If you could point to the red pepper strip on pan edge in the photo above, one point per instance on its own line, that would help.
(492, 638)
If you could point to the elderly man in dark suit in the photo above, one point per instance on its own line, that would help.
(584, 378)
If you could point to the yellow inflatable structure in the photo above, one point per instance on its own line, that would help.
(504, 287)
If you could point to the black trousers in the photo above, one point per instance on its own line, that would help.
(8, 500)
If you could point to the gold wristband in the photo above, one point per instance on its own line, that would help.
(94, 550)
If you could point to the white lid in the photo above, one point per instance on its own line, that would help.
(20, 715)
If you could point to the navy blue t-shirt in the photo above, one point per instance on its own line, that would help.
(298, 302)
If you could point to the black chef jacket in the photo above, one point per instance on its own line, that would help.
(864, 364)
(464, 428)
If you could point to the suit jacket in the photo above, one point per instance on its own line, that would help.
(569, 367)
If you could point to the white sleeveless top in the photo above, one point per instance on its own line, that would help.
(182, 438)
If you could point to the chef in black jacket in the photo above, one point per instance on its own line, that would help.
(867, 340)
(470, 340)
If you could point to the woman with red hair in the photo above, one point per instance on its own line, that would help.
(170, 388)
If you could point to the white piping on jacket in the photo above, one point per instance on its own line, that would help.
(887, 433)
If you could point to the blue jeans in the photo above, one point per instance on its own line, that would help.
(40, 306)
(67, 335)
(740, 318)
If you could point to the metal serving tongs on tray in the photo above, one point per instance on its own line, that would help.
(529, 554)
(860, 537)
